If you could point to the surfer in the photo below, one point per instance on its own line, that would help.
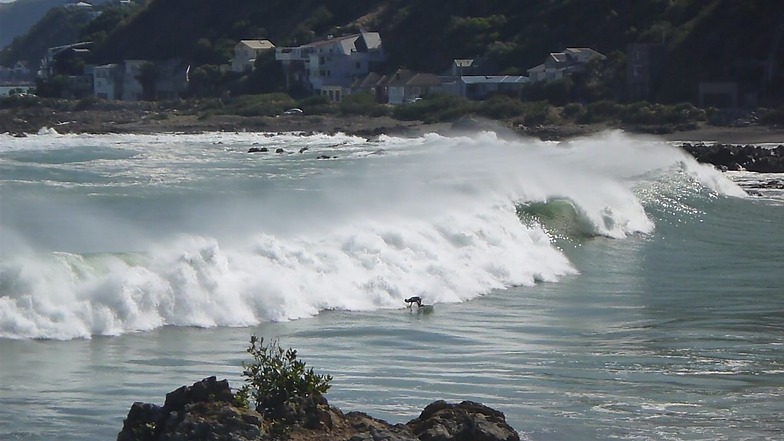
(415, 299)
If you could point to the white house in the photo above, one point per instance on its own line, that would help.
(561, 64)
(105, 84)
(246, 52)
(121, 81)
(330, 66)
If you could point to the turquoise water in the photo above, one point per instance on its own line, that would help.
(606, 289)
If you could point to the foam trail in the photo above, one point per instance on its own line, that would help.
(242, 239)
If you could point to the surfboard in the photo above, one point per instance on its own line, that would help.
(424, 309)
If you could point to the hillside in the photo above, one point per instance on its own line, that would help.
(59, 23)
(704, 40)
(18, 17)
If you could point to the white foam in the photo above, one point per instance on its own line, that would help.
(433, 217)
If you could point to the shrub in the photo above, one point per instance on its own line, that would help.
(502, 106)
(773, 116)
(85, 103)
(572, 110)
(536, 112)
(270, 104)
(276, 381)
(600, 111)
(316, 105)
(362, 104)
(436, 108)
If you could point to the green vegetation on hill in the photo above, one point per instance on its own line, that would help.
(704, 40)
(58, 27)
(17, 17)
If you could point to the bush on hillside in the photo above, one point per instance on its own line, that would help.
(572, 111)
(436, 108)
(772, 116)
(648, 114)
(362, 104)
(600, 111)
(502, 107)
(269, 104)
(316, 105)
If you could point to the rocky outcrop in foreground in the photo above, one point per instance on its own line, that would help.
(739, 157)
(207, 411)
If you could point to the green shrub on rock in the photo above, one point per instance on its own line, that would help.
(277, 382)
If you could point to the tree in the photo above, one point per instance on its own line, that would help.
(149, 73)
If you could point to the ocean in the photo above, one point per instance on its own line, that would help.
(607, 287)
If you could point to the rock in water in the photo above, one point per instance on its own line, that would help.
(441, 421)
(206, 411)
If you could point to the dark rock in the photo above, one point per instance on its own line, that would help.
(205, 391)
(279, 150)
(212, 421)
(739, 157)
(467, 421)
(303, 149)
(143, 419)
(205, 411)
(258, 149)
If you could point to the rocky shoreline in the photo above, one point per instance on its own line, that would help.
(725, 147)
(207, 410)
(748, 157)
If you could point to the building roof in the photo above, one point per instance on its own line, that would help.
(462, 63)
(559, 57)
(257, 44)
(585, 53)
(371, 80)
(424, 80)
(400, 77)
(494, 79)
(369, 40)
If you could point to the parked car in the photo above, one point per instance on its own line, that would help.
(293, 111)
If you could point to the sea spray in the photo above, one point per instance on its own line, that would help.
(191, 230)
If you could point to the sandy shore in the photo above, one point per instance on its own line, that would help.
(19, 121)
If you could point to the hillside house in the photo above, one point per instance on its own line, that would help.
(558, 65)
(482, 87)
(329, 67)
(371, 84)
(405, 86)
(246, 52)
(471, 67)
(121, 81)
(105, 84)
(57, 56)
